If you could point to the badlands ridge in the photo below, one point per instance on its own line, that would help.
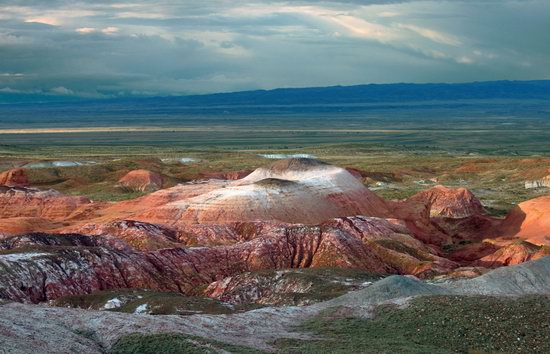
(294, 213)
(297, 232)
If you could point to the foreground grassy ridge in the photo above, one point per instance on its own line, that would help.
(435, 324)
(173, 343)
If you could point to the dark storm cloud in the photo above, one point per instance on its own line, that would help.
(109, 48)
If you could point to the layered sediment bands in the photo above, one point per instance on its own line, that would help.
(41, 267)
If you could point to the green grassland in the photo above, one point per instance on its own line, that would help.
(157, 303)
(435, 324)
(393, 171)
(173, 343)
(430, 324)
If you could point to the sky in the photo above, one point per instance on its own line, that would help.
(162, 47)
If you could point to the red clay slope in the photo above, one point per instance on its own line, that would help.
(529, 221)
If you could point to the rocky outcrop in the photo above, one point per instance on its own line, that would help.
(448, 202)
(16, 177)
(539, 183)
(529, 221)
(141, 181)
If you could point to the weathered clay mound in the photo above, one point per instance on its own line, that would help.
(538, 183)
(16, 177)
(294, 190)
(530, 221)
(141, 181)
(448, 202)
(290, 203)
(356, 242)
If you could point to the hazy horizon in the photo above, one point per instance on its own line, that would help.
(163, 48)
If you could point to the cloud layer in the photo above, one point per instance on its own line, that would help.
(163, 47)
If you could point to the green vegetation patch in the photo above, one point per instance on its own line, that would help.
(152, 302)
(172, 343)
(434, 324)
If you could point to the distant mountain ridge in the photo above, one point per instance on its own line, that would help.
(369, 93)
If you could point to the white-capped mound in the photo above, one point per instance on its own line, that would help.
(293, 190)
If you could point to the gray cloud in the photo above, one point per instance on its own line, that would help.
(107, 48)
